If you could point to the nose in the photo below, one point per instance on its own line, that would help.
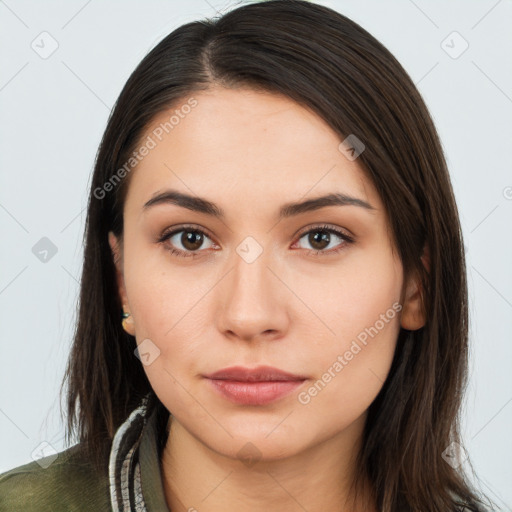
(253, 301)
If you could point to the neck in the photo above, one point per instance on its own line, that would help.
(197, 478)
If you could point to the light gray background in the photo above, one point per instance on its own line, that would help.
(54, 110)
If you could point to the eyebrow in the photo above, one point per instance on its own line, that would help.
(201, 205)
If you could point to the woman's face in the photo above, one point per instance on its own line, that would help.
(263, 284)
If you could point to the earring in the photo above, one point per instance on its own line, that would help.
(127, 319)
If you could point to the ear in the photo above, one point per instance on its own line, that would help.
(413, 311)
(117, 255)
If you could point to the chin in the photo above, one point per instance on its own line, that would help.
(252, 448)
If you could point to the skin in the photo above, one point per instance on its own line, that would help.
(251, 152)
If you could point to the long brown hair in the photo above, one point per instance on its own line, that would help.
(331, 65)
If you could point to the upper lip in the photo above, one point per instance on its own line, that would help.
(258, 374)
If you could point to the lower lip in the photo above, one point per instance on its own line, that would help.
(254, 393)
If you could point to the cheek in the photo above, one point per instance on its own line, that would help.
(361, 293)
(169, 317)
(170, 307)
(361, 307)
(163, 296)
(349, 374)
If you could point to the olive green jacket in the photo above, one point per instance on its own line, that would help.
(70, 483)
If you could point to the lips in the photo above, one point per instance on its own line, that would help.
(254, 386)
(258, 374)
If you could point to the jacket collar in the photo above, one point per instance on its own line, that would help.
(135, 478)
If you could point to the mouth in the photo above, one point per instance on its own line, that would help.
(257, 386)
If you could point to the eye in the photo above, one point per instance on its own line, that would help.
(184, 241)
(321, 238)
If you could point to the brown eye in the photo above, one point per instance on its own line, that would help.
(185, 241)
(326, 240)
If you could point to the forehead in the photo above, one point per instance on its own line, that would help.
(243, 142)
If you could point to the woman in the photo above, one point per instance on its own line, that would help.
(273, 307)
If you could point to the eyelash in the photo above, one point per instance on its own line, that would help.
(189, 254)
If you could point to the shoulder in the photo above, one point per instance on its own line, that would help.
(68, 482)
